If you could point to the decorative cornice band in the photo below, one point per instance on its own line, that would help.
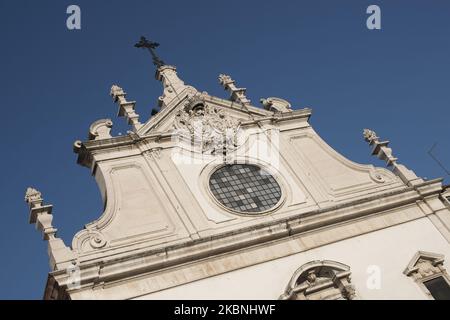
(193, 250)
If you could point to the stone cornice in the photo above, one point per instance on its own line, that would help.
(132, 138)
(85, 150)
(132, 263)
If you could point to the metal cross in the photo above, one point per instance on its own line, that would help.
(151, 46)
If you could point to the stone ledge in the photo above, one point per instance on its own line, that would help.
(121, 266)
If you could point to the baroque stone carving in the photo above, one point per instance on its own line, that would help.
(33, 195)
(208, 127)
(116, 92)
(153, 154)
(425, 264)
(320, 280)
(237, 94)
(276, 104)
(381, 149)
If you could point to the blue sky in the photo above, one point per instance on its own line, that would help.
(319, 54)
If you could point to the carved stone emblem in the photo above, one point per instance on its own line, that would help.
(370, 135)
(100, 129)
(276, 104)
(97, 240)
(209, 128)
(320, 276)
(153, 154)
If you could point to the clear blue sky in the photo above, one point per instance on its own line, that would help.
(317, 54)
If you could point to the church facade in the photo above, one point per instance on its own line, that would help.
(217, 198)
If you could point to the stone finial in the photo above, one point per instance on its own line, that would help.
(425, 264)
(225, 79)
(209, 128)
(173, 86)
(33, 197)
(276, 104)
(41, 215)
(116, 92)
(237, 94)
(126, 108)
(383, 152)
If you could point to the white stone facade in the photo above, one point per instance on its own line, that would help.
(163, 233)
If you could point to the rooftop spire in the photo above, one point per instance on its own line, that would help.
(151, 46)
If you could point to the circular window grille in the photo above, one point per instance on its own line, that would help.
(245, 188)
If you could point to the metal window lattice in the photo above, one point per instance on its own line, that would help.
(245, 188)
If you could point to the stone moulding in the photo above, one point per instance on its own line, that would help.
(153, 223)
(150, 260)
(331, 274)
(85, 150)
(424, 264)
(209, 125)
(382, 177)
(152, 125)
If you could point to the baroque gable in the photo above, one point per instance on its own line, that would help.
(165, 120)
(176, 95)
(264, 175)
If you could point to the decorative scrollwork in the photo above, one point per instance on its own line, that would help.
(97, 240)
(207, 126)
(153, 154)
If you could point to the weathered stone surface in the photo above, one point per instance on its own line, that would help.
(163, 234)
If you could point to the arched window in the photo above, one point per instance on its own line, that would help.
(320, 280)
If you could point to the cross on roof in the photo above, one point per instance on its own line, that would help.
(151, 46)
